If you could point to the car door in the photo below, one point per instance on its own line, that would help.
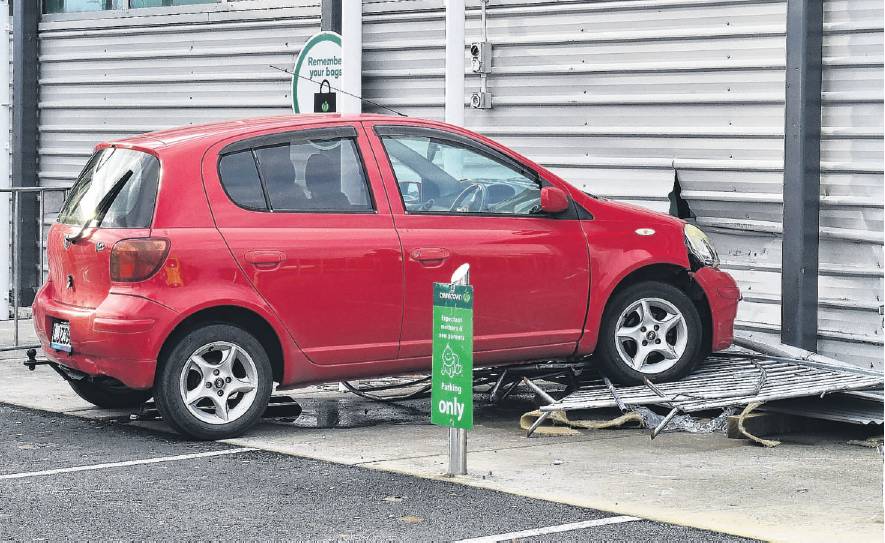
(461, 201)
(306, 217)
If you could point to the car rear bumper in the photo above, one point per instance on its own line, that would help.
(723, 296)
(120, 338)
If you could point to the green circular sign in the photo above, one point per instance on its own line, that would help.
(319, 61)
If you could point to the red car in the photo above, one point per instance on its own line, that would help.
(201, 265)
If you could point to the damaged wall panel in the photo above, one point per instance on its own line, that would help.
(615, 95)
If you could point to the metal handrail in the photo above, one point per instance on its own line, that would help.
(15, 205)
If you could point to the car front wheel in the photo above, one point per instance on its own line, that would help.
(215, 382)
(650, 330)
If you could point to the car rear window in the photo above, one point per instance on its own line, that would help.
(132, 206)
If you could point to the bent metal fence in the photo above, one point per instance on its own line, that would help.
(46, 198)
(723, 380)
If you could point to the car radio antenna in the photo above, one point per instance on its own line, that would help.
(360, 98)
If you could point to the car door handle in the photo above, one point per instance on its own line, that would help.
(430, 255)
(265, 259)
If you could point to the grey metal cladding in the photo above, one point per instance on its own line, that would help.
(610, 95)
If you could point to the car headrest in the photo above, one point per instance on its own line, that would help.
(320, 174)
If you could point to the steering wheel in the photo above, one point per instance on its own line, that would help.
(476, 204)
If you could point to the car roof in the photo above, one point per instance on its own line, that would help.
(207, 134)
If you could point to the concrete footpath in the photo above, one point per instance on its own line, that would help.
(811, 488)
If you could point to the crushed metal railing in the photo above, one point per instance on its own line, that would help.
(497, 381)
(723, 380)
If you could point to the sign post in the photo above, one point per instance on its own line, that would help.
(451, 396)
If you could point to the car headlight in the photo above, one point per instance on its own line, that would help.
(700, 247)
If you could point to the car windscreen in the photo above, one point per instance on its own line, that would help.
(132, 175)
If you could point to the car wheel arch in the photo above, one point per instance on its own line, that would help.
(249, 320)
(677, 276)
(667, 272)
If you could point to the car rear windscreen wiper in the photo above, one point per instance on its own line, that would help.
(102, 208)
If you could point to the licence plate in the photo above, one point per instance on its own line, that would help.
(61, 336)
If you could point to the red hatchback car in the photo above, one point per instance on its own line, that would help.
(200, 265)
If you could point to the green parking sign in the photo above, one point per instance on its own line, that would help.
(452, 379)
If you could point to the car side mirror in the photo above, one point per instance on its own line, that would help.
(553, 200)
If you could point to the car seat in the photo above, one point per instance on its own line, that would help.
(323, 181)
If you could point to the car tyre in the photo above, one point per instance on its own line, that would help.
(214, 383)
(650, 330)
(109, 393)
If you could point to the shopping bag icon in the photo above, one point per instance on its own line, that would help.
(324, 102)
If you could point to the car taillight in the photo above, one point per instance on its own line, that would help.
(137, 259)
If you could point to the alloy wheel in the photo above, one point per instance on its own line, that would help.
(218, 383)
(651, 335)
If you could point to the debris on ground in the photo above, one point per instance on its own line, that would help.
(871, 443)
(742, 427)
(559, 423)
(686, 423)
(725, 381)
(754, 393)
(855, 407)
(562, 425)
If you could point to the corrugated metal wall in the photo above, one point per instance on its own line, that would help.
(109, 77)
(852, 179)
(618, 97)
(5, 201)
(621, 97)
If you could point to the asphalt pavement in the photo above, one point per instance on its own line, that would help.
(65, 478)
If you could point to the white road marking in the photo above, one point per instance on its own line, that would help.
(126, 463)
(550, 530)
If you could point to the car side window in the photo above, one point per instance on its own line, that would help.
(302, 175)
(440, 176)
(239, 175)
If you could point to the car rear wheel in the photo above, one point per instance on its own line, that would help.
(215, 382)
(650, 330)
(109, 393)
